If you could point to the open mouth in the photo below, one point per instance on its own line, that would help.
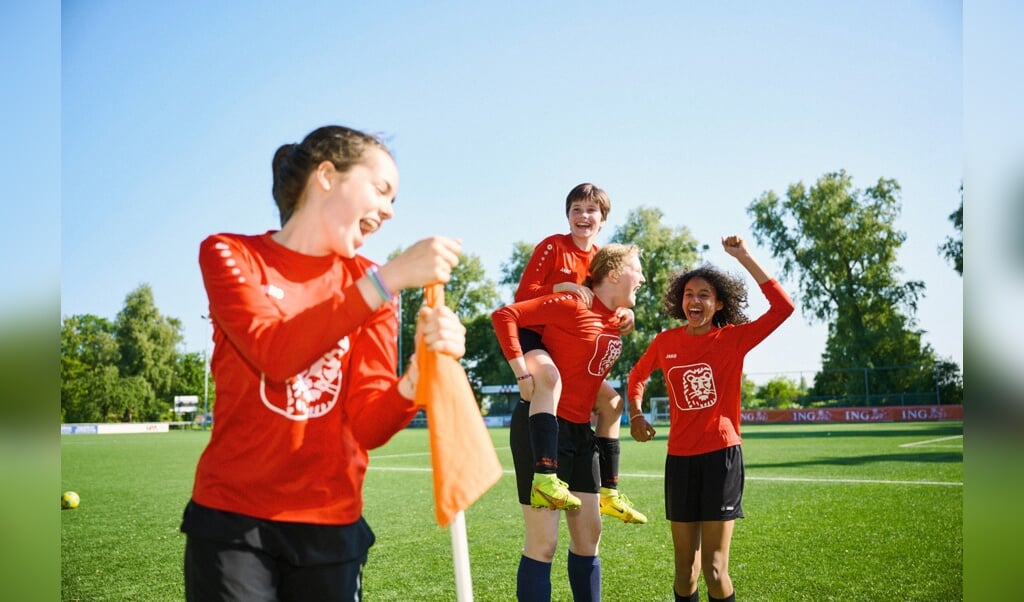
(368, 226)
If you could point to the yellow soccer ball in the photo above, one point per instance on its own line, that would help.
(69, 499)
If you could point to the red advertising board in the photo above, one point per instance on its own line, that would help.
(883, 414)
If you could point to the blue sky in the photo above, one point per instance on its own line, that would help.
(170, 114)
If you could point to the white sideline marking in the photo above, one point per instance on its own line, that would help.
(749, 478)
(930, 441)
(873, 481)
(826, 480)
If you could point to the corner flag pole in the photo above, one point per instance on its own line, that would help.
(460, 556)
(465, 463)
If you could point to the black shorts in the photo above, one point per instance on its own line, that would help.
(530, 340)
(705, 487)
(231, 556)
(577, 454)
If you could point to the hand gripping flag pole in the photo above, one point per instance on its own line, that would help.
(464, 462)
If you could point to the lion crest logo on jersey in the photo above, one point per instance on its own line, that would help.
(607, 349)
(693, 386)
(312, 393)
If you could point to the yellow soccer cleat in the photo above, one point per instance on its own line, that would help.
(550, 492)
(618, 505)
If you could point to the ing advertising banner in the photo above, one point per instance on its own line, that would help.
(878, 414)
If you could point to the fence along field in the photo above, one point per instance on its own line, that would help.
(834, 512)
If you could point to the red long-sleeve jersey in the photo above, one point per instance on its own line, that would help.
(555, 259)
(305, 379)
(583, 342)
(703, 376)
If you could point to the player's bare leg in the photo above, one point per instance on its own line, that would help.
(548, 490)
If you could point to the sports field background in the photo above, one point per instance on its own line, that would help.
(834, 512)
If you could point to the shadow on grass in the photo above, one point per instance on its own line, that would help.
(944, 457)
(817, 430)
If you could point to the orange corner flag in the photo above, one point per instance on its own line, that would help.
(462, 453)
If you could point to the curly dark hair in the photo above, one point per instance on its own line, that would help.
(729, 289)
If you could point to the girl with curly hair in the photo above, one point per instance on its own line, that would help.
(702, 362)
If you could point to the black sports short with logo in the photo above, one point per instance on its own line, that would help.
(578, 463)
(705, 487)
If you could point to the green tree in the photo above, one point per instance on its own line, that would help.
(127, 399)
(86, 341)
(748, 394)
(148, 344)
(94, 400)
(949, 382)
(87, 350)
(953, 248)
(484, 361)
(472, 296)
(841, 245)
(190, 377)
(512, 270)
(781, 393)
(92, 387)
(488, 364)
(470, 292)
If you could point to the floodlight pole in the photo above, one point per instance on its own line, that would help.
(206, 387)
(206, 380)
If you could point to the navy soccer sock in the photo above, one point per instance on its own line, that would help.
(730, 598)
(694, 597)
(533, 580)
(585, 577)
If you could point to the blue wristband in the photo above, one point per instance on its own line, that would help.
(379, 284)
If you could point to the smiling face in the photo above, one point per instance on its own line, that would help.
(585, 222)
(699, 304)
(359, 201)
(631, 279)
(616, 275)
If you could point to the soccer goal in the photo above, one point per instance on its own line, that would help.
(657, 413)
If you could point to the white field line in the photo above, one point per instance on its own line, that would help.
(859, 481)
(929, 442)
(749, 478)
(406, 468)
(827, 480)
